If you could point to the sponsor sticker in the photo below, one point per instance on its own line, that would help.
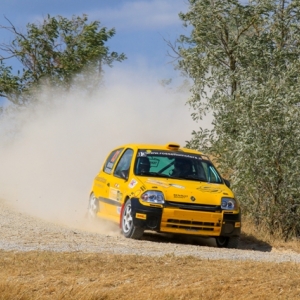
(110, 165)
(132, 183)
(164, 184)
(141, 216)
(142, 154)
(180, 196)
(115, 194)
(119, 196)
(177, 186)
(156, 205)
(115, 156)
(209, 189)
(158, 182)
(99, 185)
(101, 179)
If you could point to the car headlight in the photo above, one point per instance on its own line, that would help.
(228, 204)
(153, 197)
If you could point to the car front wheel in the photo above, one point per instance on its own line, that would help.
(128, 229)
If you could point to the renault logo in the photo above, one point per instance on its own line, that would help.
(193, 198)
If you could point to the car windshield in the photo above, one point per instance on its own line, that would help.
(178, 165)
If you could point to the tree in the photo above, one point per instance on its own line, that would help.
(59, 52)
(244, 61)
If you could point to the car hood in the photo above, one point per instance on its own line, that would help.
(185, 191)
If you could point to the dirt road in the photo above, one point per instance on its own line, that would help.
(22, 232)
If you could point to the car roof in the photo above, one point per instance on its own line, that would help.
(168, 146)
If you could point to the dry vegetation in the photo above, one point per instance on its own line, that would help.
(45, 275)
(262, 241)
(48, 275)
(77, 275)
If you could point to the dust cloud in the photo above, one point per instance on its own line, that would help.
(50, 154)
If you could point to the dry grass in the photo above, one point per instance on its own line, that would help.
(262, 240)
(46, 275)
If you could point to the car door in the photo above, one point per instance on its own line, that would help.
(101, 185)
(118, 184)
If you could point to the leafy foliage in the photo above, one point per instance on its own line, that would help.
(58, 52)
(244, 61)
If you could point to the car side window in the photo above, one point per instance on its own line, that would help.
(122, 168)
(110, 162)
(211, 173)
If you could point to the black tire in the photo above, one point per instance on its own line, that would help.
(128, 229)
(227, 242)
(93, 208)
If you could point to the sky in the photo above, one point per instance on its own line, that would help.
(50, 153)
(142, 26)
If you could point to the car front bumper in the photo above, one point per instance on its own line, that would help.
(184, 221)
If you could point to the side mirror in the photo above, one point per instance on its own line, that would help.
(227, 182)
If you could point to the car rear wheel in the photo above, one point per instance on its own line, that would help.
(227, 242)
(128, 229)
(93, 207)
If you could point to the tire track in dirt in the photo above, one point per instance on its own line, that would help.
(22, 232)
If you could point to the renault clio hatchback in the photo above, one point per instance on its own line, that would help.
(165, 188)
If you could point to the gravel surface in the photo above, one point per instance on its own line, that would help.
(21, 232)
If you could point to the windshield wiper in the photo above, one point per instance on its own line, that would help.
(155, 174)
(190, 177)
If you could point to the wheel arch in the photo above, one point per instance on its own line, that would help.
(122, 209)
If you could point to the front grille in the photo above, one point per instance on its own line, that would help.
(191, 225)
(193, 206)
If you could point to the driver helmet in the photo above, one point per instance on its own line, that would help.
(183, 165)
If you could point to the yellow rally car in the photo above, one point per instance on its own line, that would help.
(167, 189)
